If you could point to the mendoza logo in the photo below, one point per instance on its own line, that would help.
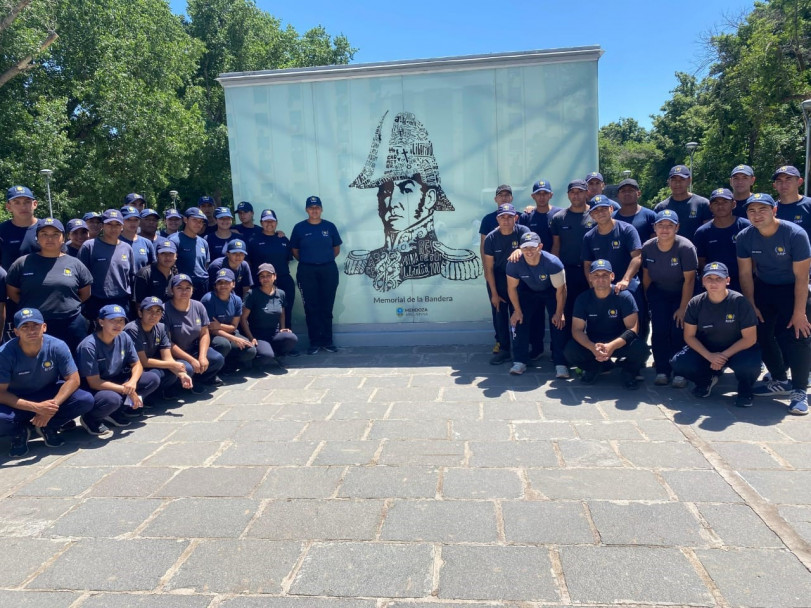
(780, 250)
(693, 212)
(400, 312)
(615, 244)
(124, 256)
(325, 233)
(67, 272)
(47, 365)
(612, 313)
(674, 261)
(798, 219)
(197, 321)
(730, 318)
(142, 251)
(542, 277)
(417, 311)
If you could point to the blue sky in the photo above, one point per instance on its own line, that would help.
(645, 42)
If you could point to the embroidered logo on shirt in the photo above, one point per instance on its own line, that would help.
(47, 365)
(674, 261)
(67, 272)
(615, 244)
(124, 256)
(197, 321)
(730, 318)
(612, 313)
(780, 250)
(325, 233)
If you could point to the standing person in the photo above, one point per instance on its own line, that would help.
(504, 195)
(18, 234)
(568, 229)
(193, 254)
(143, 251)
(264, 320)
(246, 227)
(669, 264)
(224, 309)
(692, 210)
(536, 284)
(774, 257)
(791, 205)
(315, 243)
(188, 325)
(109, 260)
(720, 330)
(149, 224)
(741, 180)
(78, 233)
(151, 340)
(219, 237)
(206, 204)
(604, 327)
(498, 245)
(715, 240)
(95, 222)
(596, 184)
(234, 260)
(269, 247)
(538, 219)
(54, 283)
(133, 199)
(173, 222)
(39, 384)
(631, 212)
(153, 280)
(109, 365)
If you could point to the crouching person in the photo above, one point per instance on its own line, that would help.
(604, 327)
(109, 364)
(720, 329)
(154, 348)
(224, 310)
(39, 384)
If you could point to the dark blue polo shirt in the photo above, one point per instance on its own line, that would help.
(242, 274)
(111, 267)
(315, 242)
(16, 242)
(718, 244)
(143, 251)
(773, 257)
(266, 310)
(692, 212)
(26, 375)
(538, 277)
(108, 361)
(798, 213)
(538, 223)
(50, 285)
(500, 246)
(222, 311)
(642, 220)
(150, 343)
(192, 255)
(270, 249)
(604, 317)
(616, 246)
(666, 268)
(718, 326)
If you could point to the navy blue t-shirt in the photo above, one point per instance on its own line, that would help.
(616, 246)
(185, 327)
(718, 326)
(500, 246)
(538, 277)
(222, 311)
(50, 285)
(16, 242)
(143, 251)
(270, 249)
(108, 361)
(151, 342)
(570, 227)
(247, 233)
(488, 223)
(192, 255)
(718, 244)
(538, 223)
(111, 267)
(692, 212)
(216, 245)
(798, 213)
(642, 220)
(604, 317)
(242, 274)
(315, 242)
(266, 310)
(26, 375)
(666, 268)
(773, 257)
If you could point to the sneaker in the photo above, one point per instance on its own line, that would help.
(98, 429)
(132, 413)
(331, 348)
(561, 371)
(68, 426)
(661, 380)
(743, 400)
(679, 382)
(19, 443)
(518, 368)
(501, 357)
(312, 350)
(197, 388)
(50, 437)
(496, 348)
(118, 418)
(772, 388)
(702, 391)
(589, 376)
(799, 403)
(215, 381)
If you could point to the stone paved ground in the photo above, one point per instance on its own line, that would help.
(417, 478)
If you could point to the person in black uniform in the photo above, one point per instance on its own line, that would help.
(715, 240)
(692, 209)
(604, 327)
(269, 247)
(78, 233)
(720, 329)
(315, 243)
(153, 280)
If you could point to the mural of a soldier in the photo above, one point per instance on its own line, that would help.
(409, 191)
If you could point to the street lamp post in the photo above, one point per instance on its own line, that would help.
(626, 174)
(173, 194)
(806, 105)
(47, 173)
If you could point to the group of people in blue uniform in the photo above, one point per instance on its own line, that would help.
(701, 284)
(109, 313)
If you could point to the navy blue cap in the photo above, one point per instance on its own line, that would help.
(172, 213)
(205, 200)
(165, 245)
(132, 197)
(679, 171)
(667, 215)
(225, 274)
(49, 221)
(506, 209)
(179, 278)
(594, 175)
(129, 211)
(75, 224)
(91, 215)
(194, 212)
(600, 201)
(236, 246)
(628, 182)
(222, 212)
(26, 315)
(529, 239)
(600, 265)
(16, 191)
(112, 311)
(112, 215)
(786, 170)
(313, 201)
(542, 185)
(717, 268)
(745, 169)
(150, 302)
(760, 197)
(577, 184)
(244, 206)
(724, 193)
(149, 212)
(268, 214)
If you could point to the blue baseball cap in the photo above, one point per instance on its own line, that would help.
(91, 215)
(223, 212)
(679, 171)
(75, 224)
(236, 246)
(132, 197)
(245, 206)
(542, 185)
(313, 201)
(166, 245)
(268, 214)
(506, 209)
(719, 269)
(172, 213)
(205, 200)
(28, 315)
(594, 175)
(112, 215)
(49, 221)
(17, 191)
(194, 212)
(529, 239)
(724, 193)
(225, 274)
(600, 201)
(628, 182)
(150, 302)
(149, 213)
(786, 170)
(129, 212)
(760, 197)
(745, 169)
(600, 265)
(112, 311)
(577, 184)
(667, 215)
(180, 278)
